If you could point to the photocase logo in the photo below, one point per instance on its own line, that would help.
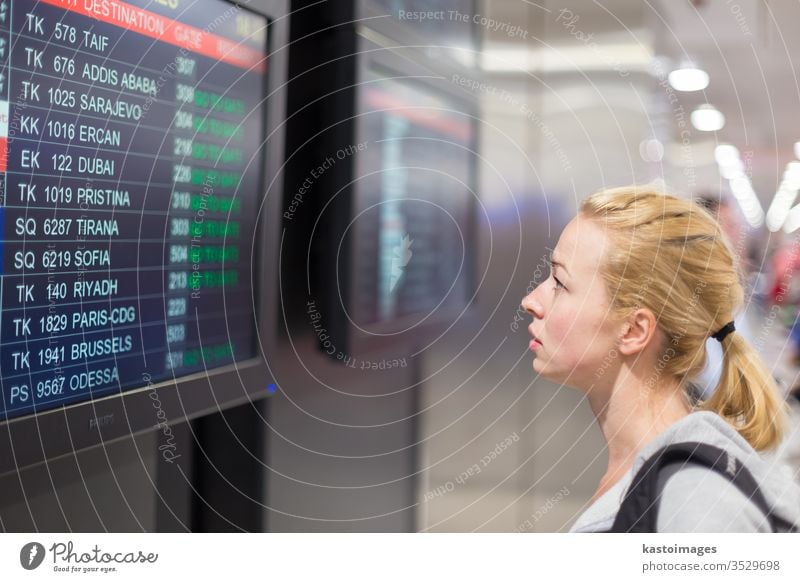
(402, 255)
(31, 555)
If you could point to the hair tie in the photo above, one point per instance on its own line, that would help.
(720, 335)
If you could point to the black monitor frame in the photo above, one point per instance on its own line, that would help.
(39, 437)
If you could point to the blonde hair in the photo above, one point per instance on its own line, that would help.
(669, 255)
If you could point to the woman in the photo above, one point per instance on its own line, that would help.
(639, 280)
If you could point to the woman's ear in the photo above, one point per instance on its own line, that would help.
(637, 332)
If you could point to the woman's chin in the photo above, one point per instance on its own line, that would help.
(539, 367)
(543, 370)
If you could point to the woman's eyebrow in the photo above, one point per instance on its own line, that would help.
(553, 262)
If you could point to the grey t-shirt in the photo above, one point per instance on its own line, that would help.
(696, 499)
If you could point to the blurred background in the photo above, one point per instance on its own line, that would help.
(434, 149)
(572, 97)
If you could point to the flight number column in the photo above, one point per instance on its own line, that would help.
(80, 228)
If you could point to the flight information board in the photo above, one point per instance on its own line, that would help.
(131, 170)
(414, 205)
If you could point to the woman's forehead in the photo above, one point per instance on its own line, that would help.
(582, 245)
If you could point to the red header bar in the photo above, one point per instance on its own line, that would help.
(437, 118)
(165, 29)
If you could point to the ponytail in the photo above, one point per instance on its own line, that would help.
(747, 397)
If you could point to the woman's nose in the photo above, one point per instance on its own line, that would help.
(531, 305)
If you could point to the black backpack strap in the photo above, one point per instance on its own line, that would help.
(639, 509)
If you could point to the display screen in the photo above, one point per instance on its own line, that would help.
(414, 202)
(131, 156)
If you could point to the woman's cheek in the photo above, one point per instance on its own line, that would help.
(559, 328)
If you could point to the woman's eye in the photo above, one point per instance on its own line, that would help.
(558, 284)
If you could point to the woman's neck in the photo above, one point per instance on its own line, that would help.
(630, 416)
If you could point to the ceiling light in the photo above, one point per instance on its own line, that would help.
(732, 171)
(651, 150)
(726, 155)
(707, 118)
(688, 79)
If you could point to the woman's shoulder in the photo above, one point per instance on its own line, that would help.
(698, 499)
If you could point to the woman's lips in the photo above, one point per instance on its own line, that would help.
(535, 342)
